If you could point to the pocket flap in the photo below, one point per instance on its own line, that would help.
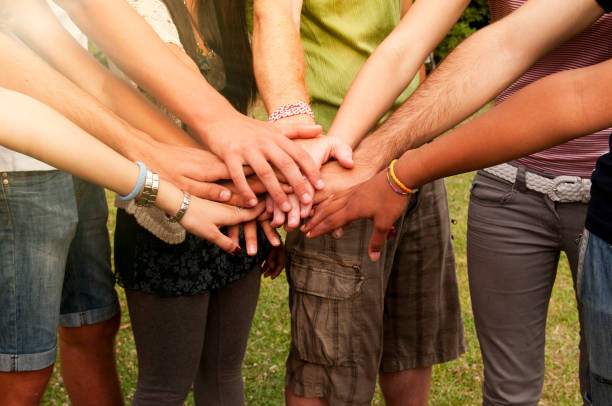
(324, 277)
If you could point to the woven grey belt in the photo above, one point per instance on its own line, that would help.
(564, 189)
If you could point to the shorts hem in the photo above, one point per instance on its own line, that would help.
(397, 365)
(27, 362)
(88, 317)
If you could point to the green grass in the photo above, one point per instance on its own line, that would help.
(454, 383)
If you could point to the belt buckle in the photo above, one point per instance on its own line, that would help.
(574, 189)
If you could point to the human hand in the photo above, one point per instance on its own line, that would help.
(240, 140)
(325, 147)
(275, 263)
(338, 179)
(371, 199)
(189, 168)
(204, 217)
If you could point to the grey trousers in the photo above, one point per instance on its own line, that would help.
(514, 240)
(197, 341)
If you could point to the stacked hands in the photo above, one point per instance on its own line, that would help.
(277, 174)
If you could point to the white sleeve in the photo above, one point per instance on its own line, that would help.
(158, 17)
(62, 16)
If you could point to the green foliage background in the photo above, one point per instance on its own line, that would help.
(475, 17)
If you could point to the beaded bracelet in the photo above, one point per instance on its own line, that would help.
(290, 110)
(391, 172)
(139, 183)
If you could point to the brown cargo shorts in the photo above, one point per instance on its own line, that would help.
(351, 317)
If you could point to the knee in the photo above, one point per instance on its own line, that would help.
(84, 336)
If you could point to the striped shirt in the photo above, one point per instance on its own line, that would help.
(594, 45)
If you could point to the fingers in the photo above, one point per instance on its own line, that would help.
(343, 154)
(329, 215)
(274, 263)
(270, 233)
(278, 218)
(278, 265)
(304, 160)
(250, 237)
(235, 168)
(305, 209)
(233, 232)
(230, 215)
(289, 169)
(206, 190)
(377, 241)
(293, 217)
(338, 232)
(266, 174)
(245, 215)
(269, 205)
(301, 131)
(224, 242)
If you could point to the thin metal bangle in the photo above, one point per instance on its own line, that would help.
(184, 206)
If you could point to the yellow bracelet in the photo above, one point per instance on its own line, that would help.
(397, 181)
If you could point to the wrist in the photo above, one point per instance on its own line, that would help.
(409, 170)
(205, 122)
(169, 198)
(298, 108)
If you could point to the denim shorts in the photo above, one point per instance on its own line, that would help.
(54, 264)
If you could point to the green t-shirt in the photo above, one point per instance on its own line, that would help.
(338, 36)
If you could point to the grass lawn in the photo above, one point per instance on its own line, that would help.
(455, 383)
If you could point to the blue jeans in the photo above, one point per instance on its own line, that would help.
(54, 264)
(596, 294)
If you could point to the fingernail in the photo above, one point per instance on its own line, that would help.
(237, 251)
(225, 195)
(253, 202)
(275, 242)
(337, 233)
(252, 249)
(375, 255)
(320, 184)
(391, 232)
(306, 198)
(286, 206)
(293, 220)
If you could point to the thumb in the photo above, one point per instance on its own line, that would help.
(343, 154)
(301, 131)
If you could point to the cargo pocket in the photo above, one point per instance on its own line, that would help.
(322, 305)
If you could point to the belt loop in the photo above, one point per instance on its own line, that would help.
(520, 183)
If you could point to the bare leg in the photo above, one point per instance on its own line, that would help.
(291, 399)
(88, 363)
(23, 388)
(406, 388)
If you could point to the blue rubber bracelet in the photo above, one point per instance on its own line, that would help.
(139, 184)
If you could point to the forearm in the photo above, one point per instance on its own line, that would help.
(477, 70)
(398, 57)
(150, 63)
(37, 26)
(278, 57)
(60, 143)
(20, 65)
(552, 110)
